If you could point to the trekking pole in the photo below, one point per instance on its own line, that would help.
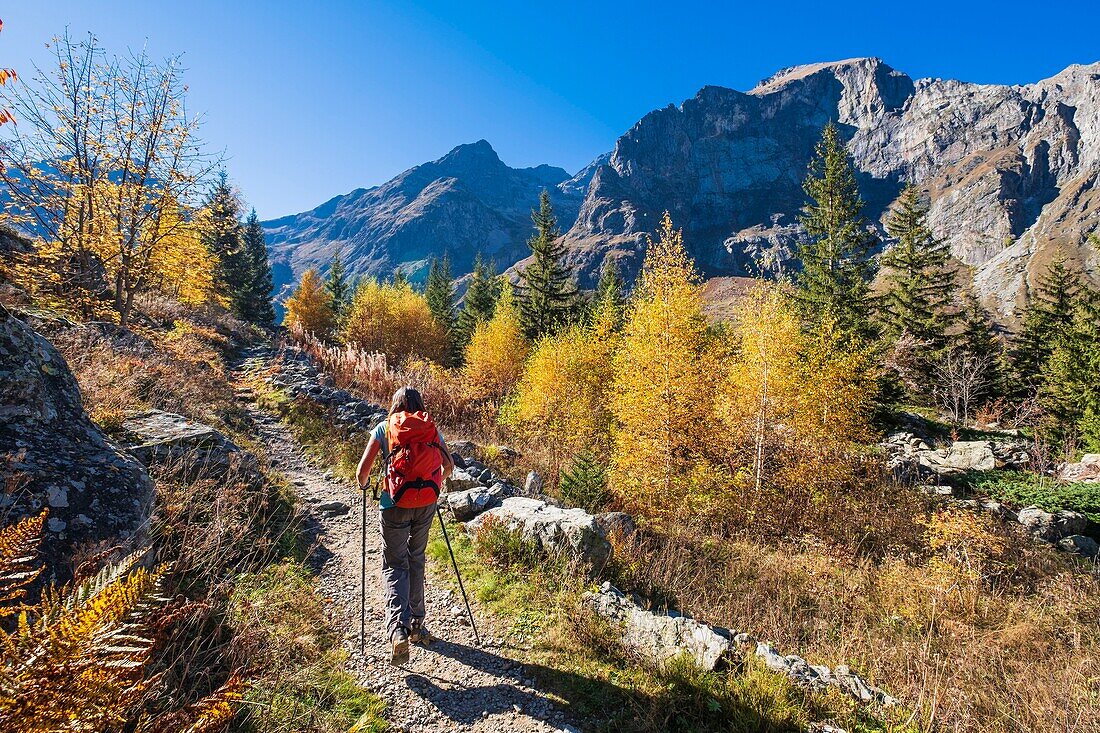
(363, 574)
(458, 575)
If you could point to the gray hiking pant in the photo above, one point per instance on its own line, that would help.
(404, 540)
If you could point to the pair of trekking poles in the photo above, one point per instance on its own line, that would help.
(363, 576)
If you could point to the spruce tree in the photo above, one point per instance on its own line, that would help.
(400, 279)
(479, 302)
(256, 301)
(221, 233)
(609, 297)
(547, 294)
(584, 483)
(337, 284)
(976, 338)
(919, 283)
(836, 259)
(440, 293)
(1048, 317)
(1070, 379)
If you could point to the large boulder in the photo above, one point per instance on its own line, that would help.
(553, 529)
(465, 505)
(1079, 544)
(1052, 527)
(462, 479)
(659, 638)
(52, 455)
(961, 456)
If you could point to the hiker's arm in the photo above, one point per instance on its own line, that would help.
(362, 474)
(448, 462)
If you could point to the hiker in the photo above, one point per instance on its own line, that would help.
(417, 462)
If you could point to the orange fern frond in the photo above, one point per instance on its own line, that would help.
(18, 561)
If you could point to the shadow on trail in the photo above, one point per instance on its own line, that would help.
(466, 705)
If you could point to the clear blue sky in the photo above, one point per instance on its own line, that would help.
(313, 99)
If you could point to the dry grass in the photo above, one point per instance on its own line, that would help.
(979, 631)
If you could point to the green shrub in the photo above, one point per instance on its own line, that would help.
(584, 483)
(1023, 488)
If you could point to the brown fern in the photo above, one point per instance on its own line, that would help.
(18, 561)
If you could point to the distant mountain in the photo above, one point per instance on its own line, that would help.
(1012, 170)
(466, 202)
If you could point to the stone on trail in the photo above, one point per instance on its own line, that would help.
(461, 480)
(571, 531)
(660, 638)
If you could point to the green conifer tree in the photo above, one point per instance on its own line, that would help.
(546, 293)
(221, 234)
(584, 483)
(400, 279)
(338, 286)
(920, 285)
(256, 305)
(479, 302)
(836, 259)
(1070, 379)
(1047, 318)
(610, 292)
(439, 291)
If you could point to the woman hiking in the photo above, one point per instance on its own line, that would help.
(417, 462)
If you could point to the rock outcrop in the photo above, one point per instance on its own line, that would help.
(165, 438)
(573, 532)
(52, 455)
(1087, 470)
(660, 638)
(1012, 170)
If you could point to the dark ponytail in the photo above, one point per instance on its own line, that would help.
(407, 399)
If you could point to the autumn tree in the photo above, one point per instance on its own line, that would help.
(392, 319)
(6, 75)
(309, 308)
(478, 303)
(919, 284)
(836, 257)
(255, 300)
(105, 149)
(662, 372)
(547, 294)
(497, 351)
(185, 269)
(560, 401)
(610, 292)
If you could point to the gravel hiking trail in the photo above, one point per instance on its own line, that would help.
(452, 685)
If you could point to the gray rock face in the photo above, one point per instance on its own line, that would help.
(468, 199)
(659, 638)
(1012, 170)
(572, 531)
(1050, 527)
(52, 455)
(975, 455)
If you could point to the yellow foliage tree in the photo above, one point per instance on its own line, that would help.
(182, 265)
(309, 309)
(663, 387)
(794, 403)
(561, 399)
(395, 320)
(496, 352)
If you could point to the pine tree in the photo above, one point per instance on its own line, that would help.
(1047, 318)
(337, 285)
(836, 262)
(256, 305)
(440, 292)
(920, 285)
(547, 294)
(584, 483)
(400, 279)
(478, 304)
(1070, 380)
(222, 236)
(609, 296)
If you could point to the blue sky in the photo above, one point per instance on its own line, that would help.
(313, 99)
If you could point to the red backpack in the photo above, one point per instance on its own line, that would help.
(415, 469)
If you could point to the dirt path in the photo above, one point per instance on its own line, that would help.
(452, 685)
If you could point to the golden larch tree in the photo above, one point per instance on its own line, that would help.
(497, 351)
(663, 396)
(395, 320)
(309, 308)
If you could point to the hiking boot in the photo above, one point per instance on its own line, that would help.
(399, 641)
(419, 633)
